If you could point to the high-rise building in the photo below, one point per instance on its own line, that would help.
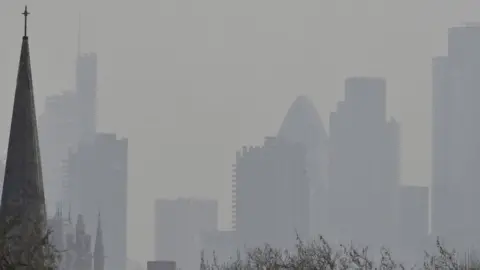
(99, 168)
(303, 124)
(23, 199)
(456, 135)
(58, 133)
(178, 227)
(271, 194)
(413, 217)
(86, 91)
(364, 165)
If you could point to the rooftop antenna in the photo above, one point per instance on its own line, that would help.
(79, 34)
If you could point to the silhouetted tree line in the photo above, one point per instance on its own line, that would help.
(319, 255)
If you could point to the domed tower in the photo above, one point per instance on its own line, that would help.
(303, 124)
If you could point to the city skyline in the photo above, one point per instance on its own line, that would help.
(267, 121)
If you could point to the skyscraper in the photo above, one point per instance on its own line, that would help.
(59, 133)
(23, 198)
(271, 192)
(99, 168)
(364, 165)
(303, 125)
(456, 136)
(86, 91)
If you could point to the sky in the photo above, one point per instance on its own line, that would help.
(189, 82)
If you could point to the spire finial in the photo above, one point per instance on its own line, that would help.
(25, 13)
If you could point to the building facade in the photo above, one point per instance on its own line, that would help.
(303, 125)
(271, 194)
(455, 132)
(100, 168)
(58, 133)
(364, 160)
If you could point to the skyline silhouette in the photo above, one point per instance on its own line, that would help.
(202, 80)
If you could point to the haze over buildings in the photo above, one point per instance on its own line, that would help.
(189, 83)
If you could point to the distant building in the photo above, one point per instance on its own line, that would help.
(161, 265)
(271, 194)
(58, 132)
(178, 226)
(303, 124)
(86, 91)
(99, 168)
(413, 219)
(456, 136)
(364, 165)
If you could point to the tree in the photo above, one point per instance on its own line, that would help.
(319, 255)
(26, 251)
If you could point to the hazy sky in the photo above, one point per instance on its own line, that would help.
(191, 81)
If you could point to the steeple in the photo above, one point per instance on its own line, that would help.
(99, 252)
(23, 197)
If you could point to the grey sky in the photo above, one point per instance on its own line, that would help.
(189, 88)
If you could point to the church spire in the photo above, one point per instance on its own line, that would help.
(23, 197)
(99, 252)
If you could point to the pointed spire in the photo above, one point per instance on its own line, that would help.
(23, 196)
(99, 251)
(70, 213)
(23, 183)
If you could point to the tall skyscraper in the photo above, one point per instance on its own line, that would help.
(271, 194)
(59, 133)
(178, 227)
(456, 136)
(364, 165)
(23, 198)
(86, 91)
(303, 125)
(99, 168)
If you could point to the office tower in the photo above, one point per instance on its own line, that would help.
(58, 132)
(23, 198)
(86, 91)
(97, 175)
(178, 226)
(271, 194)
(303, 124)
(364, 164)
(413, 218)
(456, 132)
